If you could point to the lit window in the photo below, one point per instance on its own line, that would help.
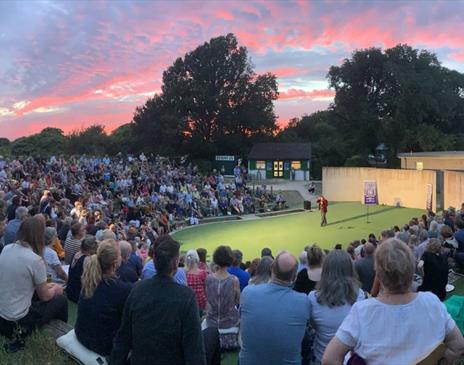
(419, 165)
(260, 165)
(296, 165)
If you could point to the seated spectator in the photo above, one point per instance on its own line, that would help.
(365, 267)
(160, 325)
(337, 291)
(435, 269)
(73, 243)
(149, 270)
(196, 278)
(23, 273)
(307, 279)
(235, 269)
(222, 292)
(102, 301)
(263, 271)
(12, 227)
(303, 264)
(251, 267)
(273, 317)
(88, 248)
(381, 342)
(127, 272)
(266, 251)
(54, 269)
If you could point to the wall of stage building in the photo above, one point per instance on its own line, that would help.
(408, 188)
(453, 192)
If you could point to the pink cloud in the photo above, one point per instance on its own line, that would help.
(301, 94)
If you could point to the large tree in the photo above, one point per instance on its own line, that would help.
(213, 100)
(402, 97)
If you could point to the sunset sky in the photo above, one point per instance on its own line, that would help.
(72, 64)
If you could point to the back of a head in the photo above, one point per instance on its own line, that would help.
(315, 256)
(266, 252)
(434, 246)
(223, 256)
(108, 234)
(89, 245)
(50, 234)
(395, 266)
(202, 254)
(338, 285)
(423, 235)
(32, 232)
(388, 233)
(191, 259)
(460, 223)
(446, 232)
(126, 250)
(238, 256)
(284, 268)
(166, 255)
(263, 271)
(100, 264)
(21, 213)
(75, 229)
(369, 249)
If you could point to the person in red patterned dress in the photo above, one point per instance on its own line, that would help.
(196, 278)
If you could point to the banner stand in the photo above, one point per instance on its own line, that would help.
(370, 195)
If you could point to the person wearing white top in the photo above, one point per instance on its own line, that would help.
(399, 326)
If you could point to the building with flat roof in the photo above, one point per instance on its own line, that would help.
(280, 161)
(441, 160)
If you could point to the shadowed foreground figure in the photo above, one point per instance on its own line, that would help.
(160, 324)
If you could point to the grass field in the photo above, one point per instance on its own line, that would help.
(347, 222)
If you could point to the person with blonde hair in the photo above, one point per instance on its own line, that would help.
(102, 300)
(196, 278)
(435, 268)
(399, 326)
(308, 278)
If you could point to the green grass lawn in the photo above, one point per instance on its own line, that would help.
(347, 222)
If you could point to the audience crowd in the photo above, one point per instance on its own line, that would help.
(96, 232)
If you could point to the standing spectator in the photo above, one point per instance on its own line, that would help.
(196, 278)
(88, 248)
(127, 272)
(73, 243)
(160, 323)
(307, 279)
(235, 269)
(223, 292)
(11, 210)
(424, 321)
(13, 226)
(270, 310)
(23, 273)
(102, 301)
(337, 291)
(435, 268)
(365, 267)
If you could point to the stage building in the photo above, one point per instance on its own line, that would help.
(291, 161)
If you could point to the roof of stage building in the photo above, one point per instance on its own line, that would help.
(441, 154)
(284, 151)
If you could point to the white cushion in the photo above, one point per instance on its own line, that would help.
(75, 349)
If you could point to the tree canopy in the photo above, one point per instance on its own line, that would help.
(211, 102)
